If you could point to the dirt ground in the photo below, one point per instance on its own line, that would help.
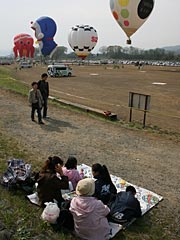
(108, 87)
(142, 158)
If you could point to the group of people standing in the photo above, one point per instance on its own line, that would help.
(38, 98)
(96, 200)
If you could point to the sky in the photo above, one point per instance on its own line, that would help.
(162, 28)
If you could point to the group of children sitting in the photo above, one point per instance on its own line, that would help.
(96, 201)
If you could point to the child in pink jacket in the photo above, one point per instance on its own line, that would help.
(70, 170)
(89, 213)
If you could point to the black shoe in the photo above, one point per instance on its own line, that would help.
(45, 117)
(33, 120)
(41, 122)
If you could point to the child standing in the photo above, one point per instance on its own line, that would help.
(36, 102)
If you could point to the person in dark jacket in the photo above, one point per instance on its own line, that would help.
(125, 207)
(104, 187)
(49, 184)
(43, 86)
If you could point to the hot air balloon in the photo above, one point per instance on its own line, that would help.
(23, 46)
(131, 14)
(45, 29)
(82, 39)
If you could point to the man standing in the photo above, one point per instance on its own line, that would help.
(43, 86)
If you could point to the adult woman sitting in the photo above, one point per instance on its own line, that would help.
(49, 184)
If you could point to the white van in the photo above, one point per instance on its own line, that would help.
(59, 71)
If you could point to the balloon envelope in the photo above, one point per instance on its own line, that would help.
(45, 29)
(23, 46)
(82, 39)
(131, 14)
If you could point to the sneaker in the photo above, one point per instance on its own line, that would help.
(33, 120)
(46, 117)
(41, 122)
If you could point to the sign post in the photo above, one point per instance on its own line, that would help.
(139, 102)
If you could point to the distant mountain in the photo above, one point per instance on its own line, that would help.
(175, 49)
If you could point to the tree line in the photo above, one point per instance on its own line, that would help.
(114, 53)
(119, 53)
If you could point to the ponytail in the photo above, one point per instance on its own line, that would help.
(106, 175)
(50, 164)
(107, 179)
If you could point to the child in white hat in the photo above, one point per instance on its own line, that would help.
(89, 213)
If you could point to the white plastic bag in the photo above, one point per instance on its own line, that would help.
(50, 213)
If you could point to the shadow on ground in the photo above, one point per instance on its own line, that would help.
(52, 124)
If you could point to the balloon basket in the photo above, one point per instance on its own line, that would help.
(128, 41)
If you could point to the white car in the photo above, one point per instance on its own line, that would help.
(25, 65)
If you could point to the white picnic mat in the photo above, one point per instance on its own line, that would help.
(147, 198)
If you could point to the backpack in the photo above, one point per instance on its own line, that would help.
(18, 174)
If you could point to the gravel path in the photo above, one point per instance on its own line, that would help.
(140, 157)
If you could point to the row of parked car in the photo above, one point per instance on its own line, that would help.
(54, 70)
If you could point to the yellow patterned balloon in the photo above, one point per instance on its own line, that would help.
(131, 14)
(123, 3)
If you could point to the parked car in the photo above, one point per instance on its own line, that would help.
(57, 70)
(4, 62)
(25, 65)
